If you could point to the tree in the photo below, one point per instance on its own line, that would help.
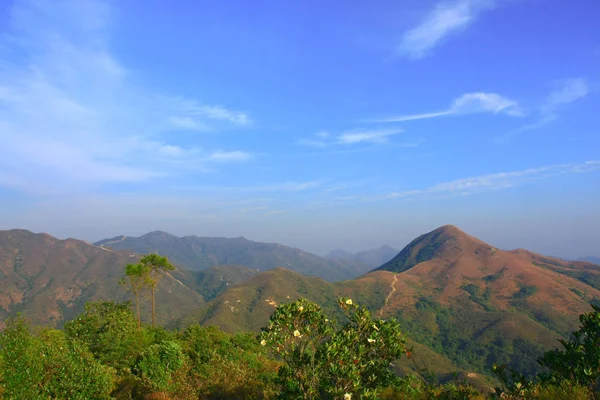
(579, 360)
(110, 332)
(322, 360)
(156, 266)
(136, 278)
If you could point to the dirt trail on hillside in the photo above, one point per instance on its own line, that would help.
(389, 296)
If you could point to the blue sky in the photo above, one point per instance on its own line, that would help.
(314, 124)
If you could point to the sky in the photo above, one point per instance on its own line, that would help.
(319, 125)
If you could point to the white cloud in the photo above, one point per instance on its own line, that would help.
(220, 113)
(368, 136)
(480, 102)
(70, 112)
(570, 91)
(351, 137)
(497, 181)
(468, 103)
(229, 156)
(445, 19)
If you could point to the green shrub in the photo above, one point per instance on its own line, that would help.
(110, 332)
(321, 360)
(71, 371)
(21, 361)
(49, 366)
(156, 365)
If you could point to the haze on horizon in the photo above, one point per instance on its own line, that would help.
(321, 126)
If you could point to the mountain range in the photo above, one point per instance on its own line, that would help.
(463, 303)
(199, 253)
(369, 258)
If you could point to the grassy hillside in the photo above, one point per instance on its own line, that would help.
(199, 253)
(456, 296)
(49, 280)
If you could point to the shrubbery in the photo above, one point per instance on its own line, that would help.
(301, 354)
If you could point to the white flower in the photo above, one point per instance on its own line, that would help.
(297, 333)
(370, 340)
(263, 342)
(326, 319)
(347, 396)
(349, 302)
(300, 308)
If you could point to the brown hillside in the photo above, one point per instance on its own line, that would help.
(455, 294)
(49, 280)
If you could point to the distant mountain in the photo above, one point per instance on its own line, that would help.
(368, 259)
(49, 280)
(200, 253)
(340, 254)
(458, 297)
(592, 259)
(376, 257)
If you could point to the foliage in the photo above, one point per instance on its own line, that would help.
(157, 364)
(136, 279)
(109, 330)
(314, 357)
(579, 360)
(152, 267)
(20, 361)
(49, 366)
(573, 372)
(322, 360)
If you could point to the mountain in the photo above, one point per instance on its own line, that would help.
(213, 281)
(365, 260)
(459, 298)
(199, 253)
(49, 280)
(592, 259)
(339, 254)
(376, 257)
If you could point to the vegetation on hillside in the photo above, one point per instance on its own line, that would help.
(300, 354)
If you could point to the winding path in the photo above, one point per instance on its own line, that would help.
(390, 294)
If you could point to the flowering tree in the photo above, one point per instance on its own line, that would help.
(324, 360)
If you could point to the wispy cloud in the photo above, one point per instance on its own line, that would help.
(570, 91)
(226, 156)
(497, 181)
(469, 103)
(445, 19)
(70, 112)
(351, 137)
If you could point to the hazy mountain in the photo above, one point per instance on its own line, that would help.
(199, 253)
(376, 257)
(367, 259)
(49, 280)
(592, 259)
(339, 254)
(457, 296)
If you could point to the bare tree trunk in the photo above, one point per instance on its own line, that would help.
(153, 310)
(137, 306)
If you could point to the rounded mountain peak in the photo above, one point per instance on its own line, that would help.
(447, 241)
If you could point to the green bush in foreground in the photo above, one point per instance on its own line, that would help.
(322, 360)
(49, 366)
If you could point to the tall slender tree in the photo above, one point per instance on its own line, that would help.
(156, 266)
(136, 279)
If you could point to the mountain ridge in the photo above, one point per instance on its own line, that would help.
(199, 253)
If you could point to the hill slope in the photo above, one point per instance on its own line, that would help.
(199, 253)
(49, 280)
(459, 297)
